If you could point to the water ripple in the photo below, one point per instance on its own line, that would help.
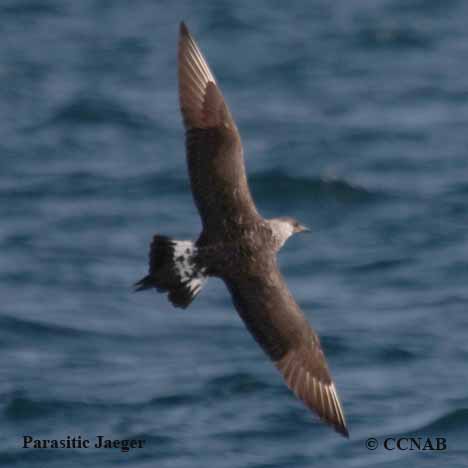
(98, 110)
(275, 183)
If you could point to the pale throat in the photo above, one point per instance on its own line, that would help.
(282, 231)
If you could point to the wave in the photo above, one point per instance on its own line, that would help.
(81, 184)
(31, 329)
(237, 383)
(33, 8)
(388, 37)
(390, 354)
(97, 110)
(453, 421)
(275, 183)
(334, 345)
(14, 328)
(174, 400)
(20, 407)
(381, 265)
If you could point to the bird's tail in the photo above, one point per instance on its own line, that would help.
(173, 269)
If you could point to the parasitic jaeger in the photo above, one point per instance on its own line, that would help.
(237, 244)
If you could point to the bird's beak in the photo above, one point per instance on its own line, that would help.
(302, 228)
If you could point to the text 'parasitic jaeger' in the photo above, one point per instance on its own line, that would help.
(237, 244)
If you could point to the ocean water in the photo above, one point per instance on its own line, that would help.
(354, 118)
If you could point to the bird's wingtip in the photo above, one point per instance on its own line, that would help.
(343, 430)
(183, 29)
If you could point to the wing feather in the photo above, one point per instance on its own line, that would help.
(274, 319)
(214, 148)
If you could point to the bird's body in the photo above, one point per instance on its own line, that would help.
(237, 244)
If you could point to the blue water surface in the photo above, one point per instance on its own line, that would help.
(354, 118)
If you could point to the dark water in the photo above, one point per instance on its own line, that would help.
(354, 116)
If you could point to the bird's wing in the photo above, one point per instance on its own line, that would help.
(276, 322)
(214, 148)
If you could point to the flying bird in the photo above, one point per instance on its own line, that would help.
(237, 244)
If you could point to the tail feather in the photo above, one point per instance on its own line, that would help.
(144, 283)
(173, 269)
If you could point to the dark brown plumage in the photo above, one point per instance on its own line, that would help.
(237, 244)
(214, 149)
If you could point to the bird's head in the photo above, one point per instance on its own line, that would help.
(285, 226)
